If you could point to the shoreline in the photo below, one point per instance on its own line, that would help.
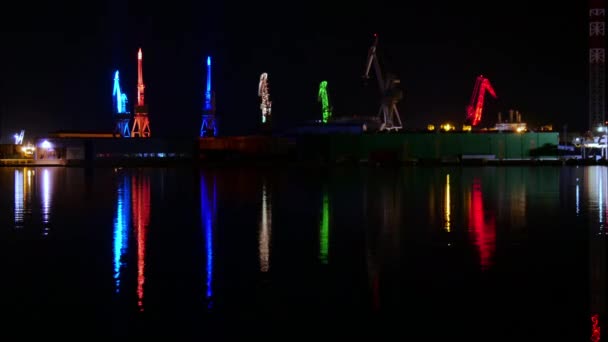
(290, 161)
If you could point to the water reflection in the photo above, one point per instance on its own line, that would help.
(483, 229)
(121, 228)
(208, 218)
(265, 231)
(518, 204)
(19, 199)
(46, 200)
(595, 328)
(140, 188)
(23, 196)
(598, 282)
(324, 229)
(578, 201)
(432, 212)
(447, 204)
(383, 213)
(597, 188)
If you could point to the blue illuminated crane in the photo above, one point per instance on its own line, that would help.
(208, 127)
(121, 114)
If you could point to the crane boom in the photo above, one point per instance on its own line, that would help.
(373, 59)
(475, 107)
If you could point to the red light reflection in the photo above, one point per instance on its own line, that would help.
(140, 188)
(595, 328)
(484, 231)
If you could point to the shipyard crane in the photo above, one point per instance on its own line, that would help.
(264, 94)
(388, 89)
(475, 107)
(19, 137)
(323, 97)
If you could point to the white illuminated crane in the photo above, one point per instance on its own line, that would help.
(19, 137)
(264, 94)
(389, 92)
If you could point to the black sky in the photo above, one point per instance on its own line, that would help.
(59, 57)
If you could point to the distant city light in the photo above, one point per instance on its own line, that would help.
(46, 145)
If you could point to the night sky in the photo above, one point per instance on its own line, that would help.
(59, 58)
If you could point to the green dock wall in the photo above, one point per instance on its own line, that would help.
(416, 146)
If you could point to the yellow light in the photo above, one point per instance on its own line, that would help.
(447, 127)
(520, 129)
(430, 127)
(466, 128)
(29, 149)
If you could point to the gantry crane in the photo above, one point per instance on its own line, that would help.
(388, 89)
(475, 107)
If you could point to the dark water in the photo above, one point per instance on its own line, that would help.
(414, 253)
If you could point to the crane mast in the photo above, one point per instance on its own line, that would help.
(388, 90)
(475, 107)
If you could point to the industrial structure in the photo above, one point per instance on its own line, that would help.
(141, 122)
(475, 107)
(597, 60)
(264, 94)
(514, 123)
(327, 138)
(208, 126)
(122, 116)
(19, 137)
(391, 95)
(323, 97)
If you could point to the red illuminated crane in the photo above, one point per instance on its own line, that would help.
(475, 107)
(141, 123)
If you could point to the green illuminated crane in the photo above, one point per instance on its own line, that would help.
(324, 99)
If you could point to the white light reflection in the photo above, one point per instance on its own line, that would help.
(578, 208)
(265, 231)
(46, 200)
(600, 197)
(19, 199)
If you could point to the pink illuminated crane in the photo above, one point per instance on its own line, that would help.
(475, 107)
